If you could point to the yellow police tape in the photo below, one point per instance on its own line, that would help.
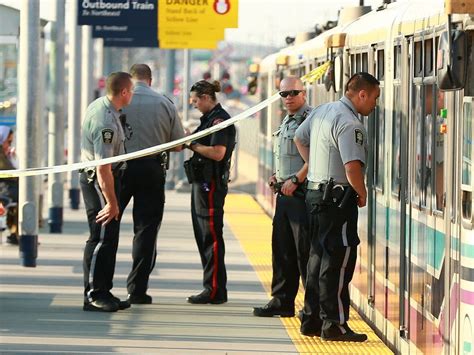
(310, 77)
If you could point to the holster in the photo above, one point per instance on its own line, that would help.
(198, 169)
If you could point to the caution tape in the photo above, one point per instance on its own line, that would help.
(316, 73)
(313, 75)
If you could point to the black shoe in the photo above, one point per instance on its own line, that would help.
(139, 299)
(121, 304)
(204, 297)
(12, 239)
(101, 305)
(300, 315)
(350, 335)
(270, 310)
(311, 333)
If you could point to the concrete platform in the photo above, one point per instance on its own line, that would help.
(41, 308)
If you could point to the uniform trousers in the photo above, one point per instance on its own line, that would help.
(144, 180)
(101, 247)
(207, 210)
(331, 263)
(290, 248)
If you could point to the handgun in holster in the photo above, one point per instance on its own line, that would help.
(165, 160)
(91, 174)
(327, 188)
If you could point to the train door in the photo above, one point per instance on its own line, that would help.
(406, 114)
(379, 214)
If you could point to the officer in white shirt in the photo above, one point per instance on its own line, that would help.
(333, 140)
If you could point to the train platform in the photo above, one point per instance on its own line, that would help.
(41, 308)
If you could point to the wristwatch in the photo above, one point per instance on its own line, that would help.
(294, 179)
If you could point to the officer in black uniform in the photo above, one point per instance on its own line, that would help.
(103, 137)
(333, 141)
(208, 171)
(290, 234)
(154, 120)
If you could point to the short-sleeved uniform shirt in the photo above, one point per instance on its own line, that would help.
(335, 136)
(102, 133)
(153, 118)
(288, 161)
(225, 137)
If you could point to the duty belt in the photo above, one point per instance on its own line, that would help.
(320, 185)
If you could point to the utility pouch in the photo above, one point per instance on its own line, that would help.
(189, 171)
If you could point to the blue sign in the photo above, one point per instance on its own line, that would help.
(130, 42)
(8, 121)
(141, 13)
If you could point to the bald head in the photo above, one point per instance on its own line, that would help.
(292, 94)
(291, 82)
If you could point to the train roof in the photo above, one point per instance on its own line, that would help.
(403, 17)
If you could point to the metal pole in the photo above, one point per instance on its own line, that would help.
(56, 119)
(87, 69)
(187, 61)
(74, 113)
(28, 122)
(170, 71)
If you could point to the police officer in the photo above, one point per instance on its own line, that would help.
(208, 171)
(154, 120)
(333, 140)
(290, 238)
(103, 137)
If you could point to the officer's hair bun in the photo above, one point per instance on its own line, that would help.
(216, 85)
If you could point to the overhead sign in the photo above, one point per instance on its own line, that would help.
(117, 12)
(198, 13)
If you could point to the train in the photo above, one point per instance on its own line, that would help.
(414, 279)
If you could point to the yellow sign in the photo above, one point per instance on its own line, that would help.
(198, 13)
(196, 34)
(183, 44)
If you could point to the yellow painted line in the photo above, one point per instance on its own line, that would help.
(252, 227)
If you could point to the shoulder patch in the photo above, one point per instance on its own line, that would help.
(359, 136)
(217, 121)
(107, 135)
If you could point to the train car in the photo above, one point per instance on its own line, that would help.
(414, 281)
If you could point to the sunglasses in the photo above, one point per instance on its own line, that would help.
(292, 93)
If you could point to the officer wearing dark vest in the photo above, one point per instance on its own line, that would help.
(333, 141)
(154, 120)
(290, 235)
(208, 172)
(103, 137)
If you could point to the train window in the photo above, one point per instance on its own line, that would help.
(380, 141)
(467, 138)
(418, 60)
(418, 135)
(438, 158)
(397, 72)
(353, 64)
(427, 145)
(380, 65)
(365, 62)
(396, 137)
(466, 173)
(428, 57)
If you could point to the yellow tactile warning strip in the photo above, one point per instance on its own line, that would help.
(252, 227)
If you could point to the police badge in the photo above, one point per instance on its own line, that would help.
(107, 135)
(359, 136)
